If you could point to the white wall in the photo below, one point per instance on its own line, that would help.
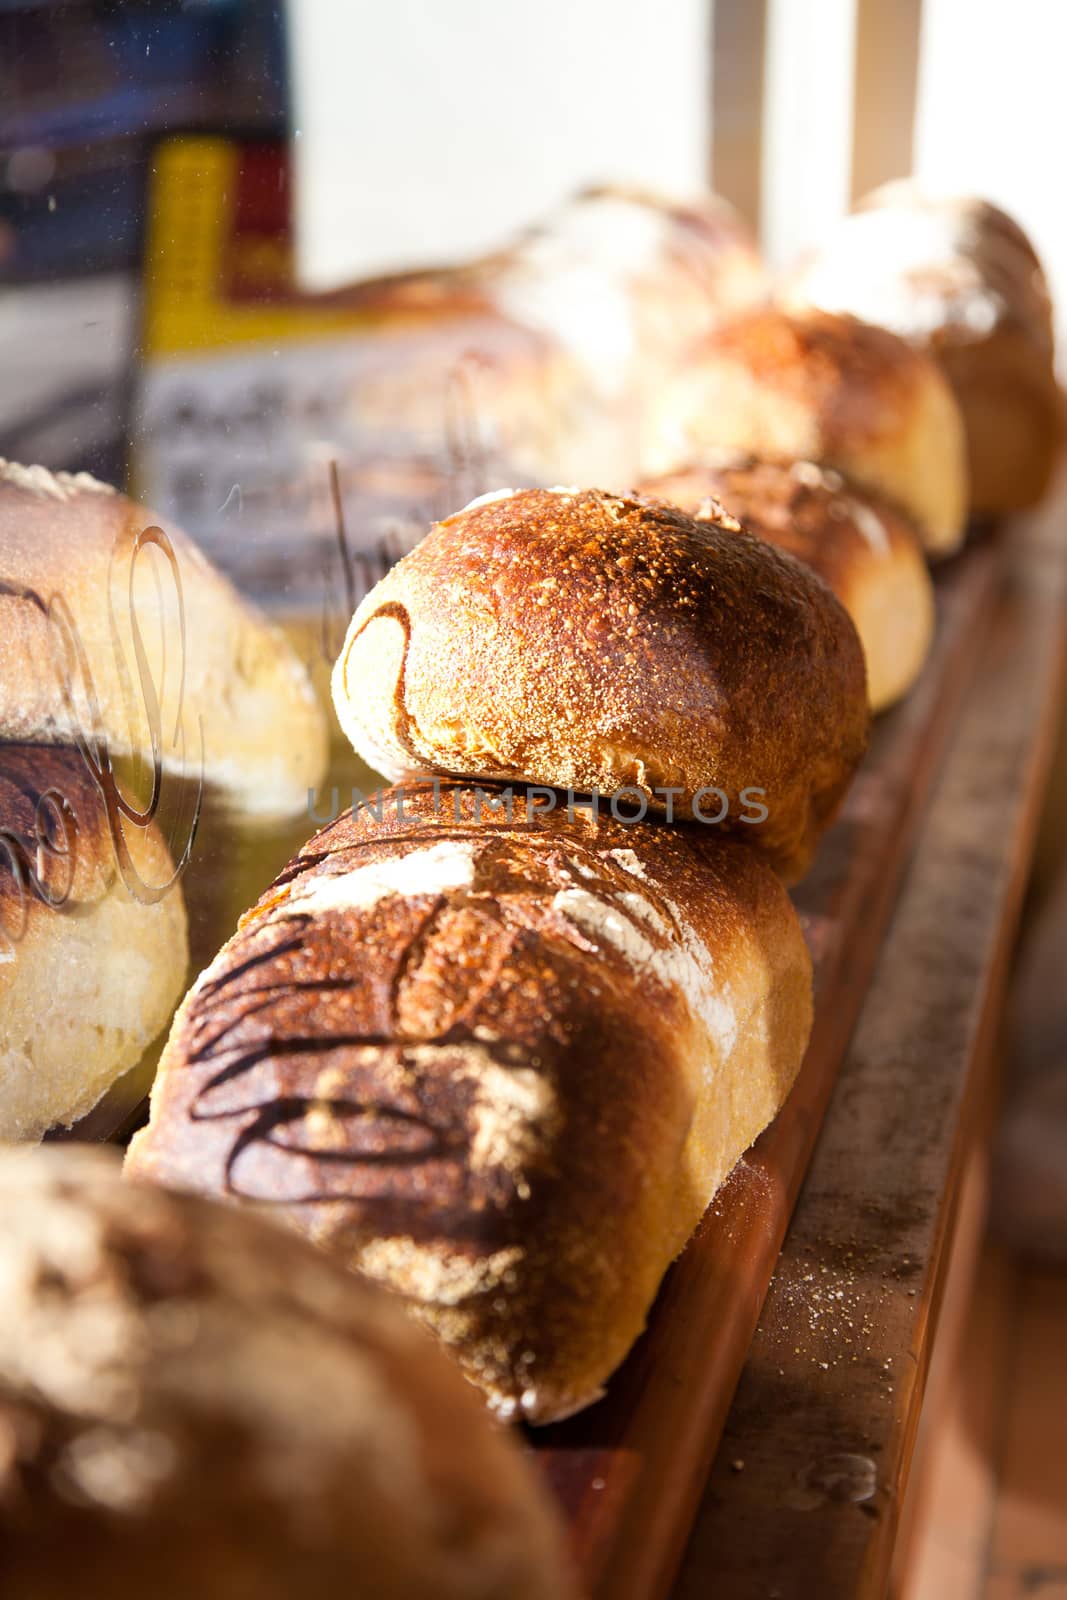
(992, 114)
(807, 122)
(430, 130)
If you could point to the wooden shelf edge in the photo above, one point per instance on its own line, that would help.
(825, 1414)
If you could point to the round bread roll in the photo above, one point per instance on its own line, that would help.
(581, 640)
(80, 598)
(809, 386)
(499, 1057)
(90, 972)
(193, 1402)
(862, 546)
(958, 278)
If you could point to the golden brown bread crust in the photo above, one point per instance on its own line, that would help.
(858, 543)
(501, 1066)
(582, 640)
(195, 1403)
(958, 278)
(90, 972)
(68, 541)
(810, 386)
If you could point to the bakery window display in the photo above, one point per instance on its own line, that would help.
(498, 1044)
(497, 1037)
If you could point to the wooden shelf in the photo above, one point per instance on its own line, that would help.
(910, 914)
(806, 1489)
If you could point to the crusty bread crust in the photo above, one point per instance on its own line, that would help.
(859, 544)
(89, 972)
(70, 544)
(193, 1402)
(500, 1065)
(810, 386)
(582, 640)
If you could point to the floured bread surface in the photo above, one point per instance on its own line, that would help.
(860, 544)
(83, 590)
(500, 1063)
(810, 386)
(621, 277)
(89, 973)
(958, 278)
(933, 269)
(194, 1402)
(588, 641)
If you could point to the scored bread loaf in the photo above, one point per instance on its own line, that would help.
(956, 277)
(89, 971)
(69, 546)
(194, 1403)
(582, 640)
(501, 1064)
(859, 544)
(809, 386)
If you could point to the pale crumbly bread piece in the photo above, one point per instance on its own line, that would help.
(67, 542)
(193, 1402)
(499, 1064)
(958, 278)
(859, 544)
(810, 386)
(88, 981)
(584, 640)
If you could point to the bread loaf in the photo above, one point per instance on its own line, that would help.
(500, 1063)
(862, 546)
(808, 386)
(195, 1403)
(581, 640)
(960, 280)
(622, 280)
(91, 963)
(443, 380)
(99, 622)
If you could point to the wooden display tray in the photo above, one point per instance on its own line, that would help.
(630, 1470)
(812, 1490)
